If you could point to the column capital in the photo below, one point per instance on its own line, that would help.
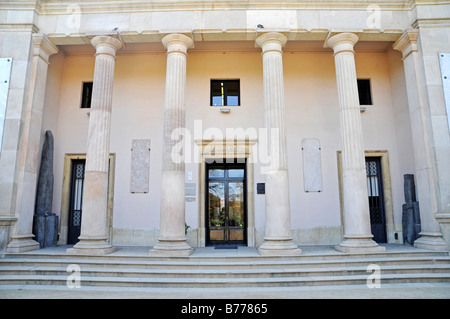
(407, 43)
(43, 47)
(106, 45)
(177, 42)
(275, 40)
(343, 42)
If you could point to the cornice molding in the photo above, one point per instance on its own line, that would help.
(407, 43)
(116, 6)
(43, 47)
(18, 27)
(414, 3)
(8, 220)
(35, 5)
(432, 23)
(205, 35)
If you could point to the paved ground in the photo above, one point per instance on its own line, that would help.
(387, 291)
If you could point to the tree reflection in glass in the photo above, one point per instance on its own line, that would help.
(236, 204)
(216, 204)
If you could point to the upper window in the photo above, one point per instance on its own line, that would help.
(86, 95)
(364, 92)
(225, 93)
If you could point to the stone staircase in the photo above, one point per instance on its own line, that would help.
(210, 268)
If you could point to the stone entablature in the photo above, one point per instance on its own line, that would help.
(68, 22)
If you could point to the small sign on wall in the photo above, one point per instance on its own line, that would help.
(190, 191)
(260, 188)
(140, 166)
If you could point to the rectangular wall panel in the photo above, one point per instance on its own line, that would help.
(140, 166)
(312, 167)
(444, 59)
(5, 74)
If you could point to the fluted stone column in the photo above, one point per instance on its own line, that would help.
(357, 232)
(94, 236)
(27, 149)
(278, 239)
(427, 193)
(172, 241)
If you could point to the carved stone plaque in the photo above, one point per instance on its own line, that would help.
(312, 167)
(140, 166)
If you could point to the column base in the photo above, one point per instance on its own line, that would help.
(359, 246)
(171, 248)
(431, 241)
(279, 247)
(22, 243)
(91, 247)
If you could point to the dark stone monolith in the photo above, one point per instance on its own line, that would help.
(45, 183)
(411, 214)
(45, 225)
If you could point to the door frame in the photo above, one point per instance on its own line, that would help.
(387, 190)
(223, 148)
(65, 195)
(73, 173)
(377, 160)
(225, 166)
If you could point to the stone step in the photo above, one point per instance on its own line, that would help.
(209, 254)
(232, 263)
(220, 272)
(243, 258)
(209, 268)
(224, 282)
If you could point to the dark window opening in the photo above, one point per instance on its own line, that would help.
(86, 95)
(364, 92)
(225, 93)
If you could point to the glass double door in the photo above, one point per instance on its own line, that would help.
(226, 204)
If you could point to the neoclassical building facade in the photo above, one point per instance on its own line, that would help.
(184, 124)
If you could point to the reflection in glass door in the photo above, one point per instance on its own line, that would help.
(217, 211)
(226, 204)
